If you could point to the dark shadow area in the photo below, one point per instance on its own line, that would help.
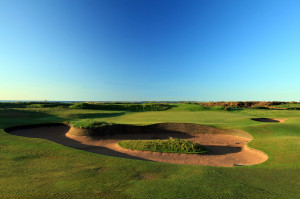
(221, 150)
(133, 132)
(95, 115)
(56, 132)
(293, 108)
(33, 104)
(265, 120)
(13, 114)
(12, 117)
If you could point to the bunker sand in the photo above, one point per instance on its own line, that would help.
(228, 147)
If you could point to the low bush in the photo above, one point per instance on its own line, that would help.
(168, 146)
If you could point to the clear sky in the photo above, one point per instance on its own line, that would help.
(201, 50)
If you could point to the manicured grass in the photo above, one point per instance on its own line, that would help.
(37, 168)
(164, 146)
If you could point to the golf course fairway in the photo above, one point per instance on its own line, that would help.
(41, 168)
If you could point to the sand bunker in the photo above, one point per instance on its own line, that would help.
(228, 147)
(276, 120)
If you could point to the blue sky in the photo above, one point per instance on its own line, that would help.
(150, 50)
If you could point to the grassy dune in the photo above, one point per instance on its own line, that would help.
(164, 146)
(36, 168)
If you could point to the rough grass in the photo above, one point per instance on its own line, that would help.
(34, 104)
(123, 106)
(164, 146)
(288, 106)
(195, 107)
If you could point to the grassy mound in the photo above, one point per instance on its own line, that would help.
(88, 124)
(167, 146)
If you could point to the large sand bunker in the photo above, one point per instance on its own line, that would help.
(228, 147)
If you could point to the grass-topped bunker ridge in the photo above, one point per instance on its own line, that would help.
(191, 144)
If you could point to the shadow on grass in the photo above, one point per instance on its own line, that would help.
(56, 133)
(265, 120)
(221, 150)
(12, 117)
(95, 115)
(131, 132)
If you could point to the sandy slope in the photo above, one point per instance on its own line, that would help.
(226, 150)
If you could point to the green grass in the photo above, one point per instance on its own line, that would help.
(194, 107)
(37, 168)
(164, 146)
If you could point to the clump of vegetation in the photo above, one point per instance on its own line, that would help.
(172, 145)
(122, 106)
(79, 106)
(35, 106)
(88, 124)
(196, 107)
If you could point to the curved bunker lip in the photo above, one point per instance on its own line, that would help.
(272, 120)
(228, 147)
